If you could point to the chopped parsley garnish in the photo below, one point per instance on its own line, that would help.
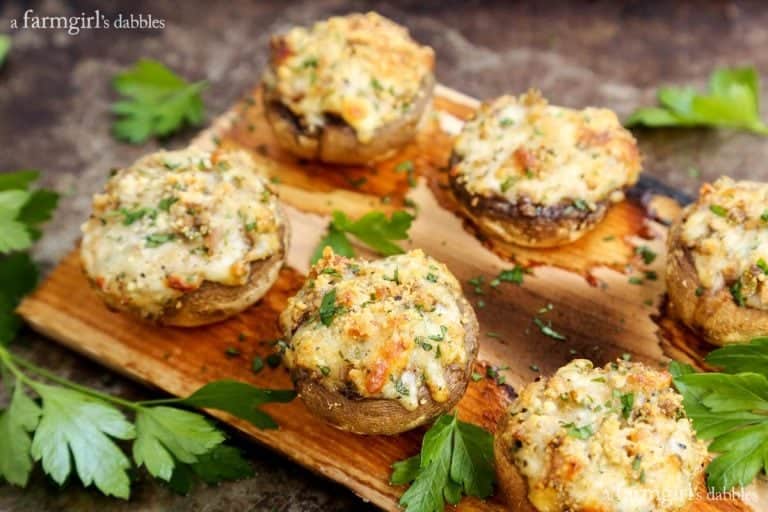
(627, 402)
(547, 330)
(432, 278)
(330, 271)
(441, 336)
(506, 121)
(762, 265)
(423, 344)
(583, 432)
(405, 166)
(166, 202)
(476, 377)
(257, 364)
(408, 168)
(635, 280)
(718, 210)
(493, 373)
(646, 254)
(764, 215)
(325, 370)
(580, 204)
(651, 275)
(736, 293)
(232, 352)
(131, 216)
(376, 85)
(158, 239)
(401, 388)
(395, 276)
(328, 307)
(507, 183)
(513, 275)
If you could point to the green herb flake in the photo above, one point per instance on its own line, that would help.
(257, 364)
(513, 275)
(718, 210)
(627, 403)
(547, 330)
(328, 307)
(158, 239)
(736, 293)
(583, 432)
(646, 254)
(166, 203)
(580, 204)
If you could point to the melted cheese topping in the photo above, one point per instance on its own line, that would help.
(726, 231)
(610, 439)
(380, 328)
(176, 219)
(525, 149)
(362, 68)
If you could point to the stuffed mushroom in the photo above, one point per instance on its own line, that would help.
(348, 90)
(537, 175)
(611, 439)
(380, 347)
(717, 264)
(185, 237)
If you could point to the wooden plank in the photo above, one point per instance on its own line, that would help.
(593, 303)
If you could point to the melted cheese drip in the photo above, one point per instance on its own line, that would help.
(362, 68)
(727, 233)
(398, 326)
(582, 447)
(176, 219)
(526, 148)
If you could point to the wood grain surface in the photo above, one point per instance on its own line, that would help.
(598, 293)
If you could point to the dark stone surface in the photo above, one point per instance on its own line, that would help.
(54, 115)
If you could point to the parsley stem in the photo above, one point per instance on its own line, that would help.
(160, 401)
(11, 360)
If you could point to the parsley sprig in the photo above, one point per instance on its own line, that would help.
(456, 458)
(70, 428)
(730, 409)
(373, 229)
(158, 103)
(5, 48)
(733, 101)
(22, 209)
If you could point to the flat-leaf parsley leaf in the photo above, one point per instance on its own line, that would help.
(158, 103)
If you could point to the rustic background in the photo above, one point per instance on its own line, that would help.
(54, 116)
